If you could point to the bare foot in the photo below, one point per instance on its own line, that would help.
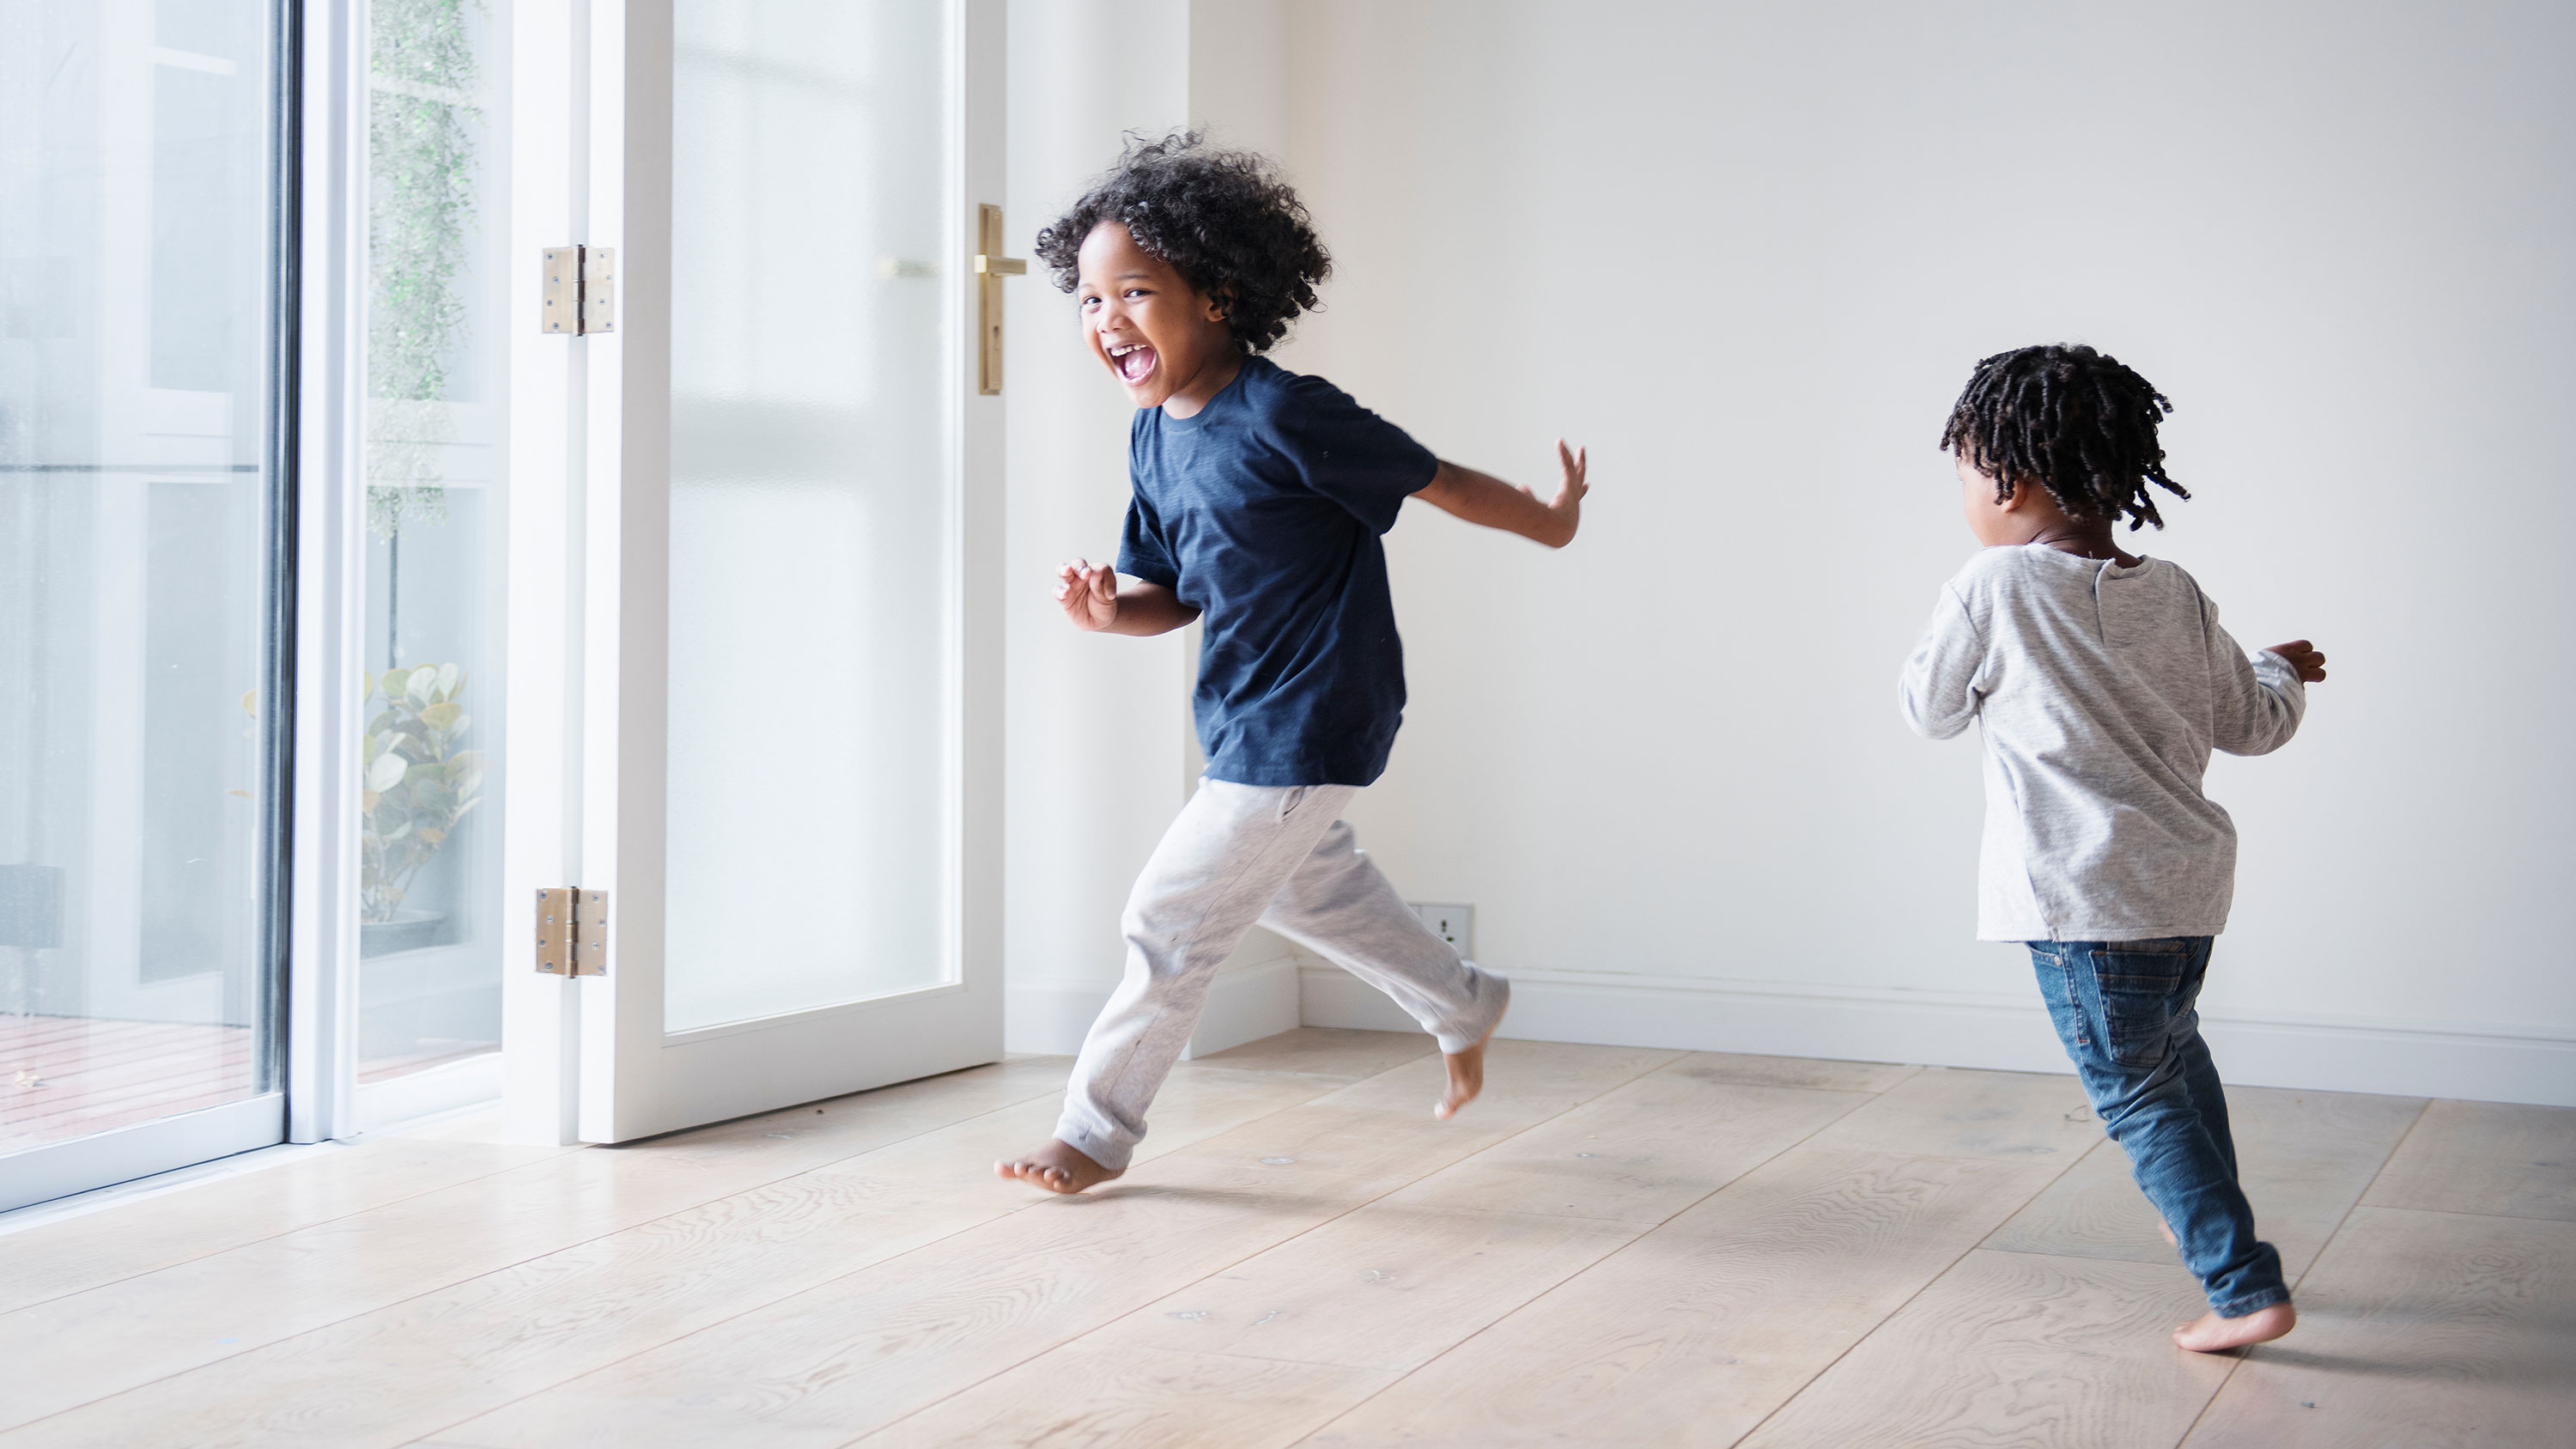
(1056, 1167)
(2212, 1334)
(2167, 1229)
(1466, 1075)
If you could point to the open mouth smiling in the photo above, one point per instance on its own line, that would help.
(1134, 361)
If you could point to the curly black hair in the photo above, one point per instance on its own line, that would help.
(2074, 419)
(1225, 221)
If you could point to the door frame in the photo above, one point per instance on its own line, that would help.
(327, 196)
(587, 1059)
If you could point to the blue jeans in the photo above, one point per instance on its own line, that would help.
(2124, 1009)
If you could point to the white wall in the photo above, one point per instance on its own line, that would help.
(1748, 254)
(1099, 753)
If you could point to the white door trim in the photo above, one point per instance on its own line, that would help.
(550, 380)
(330, 588)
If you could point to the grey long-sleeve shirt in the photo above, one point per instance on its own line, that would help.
(2100, 691)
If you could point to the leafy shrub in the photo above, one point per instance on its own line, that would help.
(418, 783)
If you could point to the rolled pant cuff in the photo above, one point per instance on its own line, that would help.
(1111, 1155)
(2254, 1302)
(1458, 1040)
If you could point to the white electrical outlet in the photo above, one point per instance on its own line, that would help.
(1454, 924)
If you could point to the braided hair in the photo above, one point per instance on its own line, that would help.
(2071, 418)
(1224, 220)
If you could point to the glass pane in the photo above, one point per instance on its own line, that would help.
(809, 831)
(437, 450)
(134, 578)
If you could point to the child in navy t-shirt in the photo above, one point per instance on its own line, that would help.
(1260, 498)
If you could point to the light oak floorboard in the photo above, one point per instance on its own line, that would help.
(1385, 1287)
(53, 1260)
(1137, 1399)
(2015, 1349)
(1811, 1073)
(2417, 1330)
(2485, 1157)
(1955, 1113)
(851, 1354)
(1694, 1332)
(105, 1340)
(865, 1349)
(1638, 1154)
(422, 1364)
(1296, 1236)
(2303, 1158)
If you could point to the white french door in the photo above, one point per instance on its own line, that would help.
(755, 536)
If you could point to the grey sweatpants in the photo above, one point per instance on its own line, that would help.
(1237, 855)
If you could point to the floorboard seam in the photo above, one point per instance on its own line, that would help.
(1920, 1289)
(2211, 1402)
(503, 1268)
(2314, 1258)
(1865, 1098)
(862, 1268)
(2358, 1198)
(445, 1187)
(1267, 1247)
(263, 1238)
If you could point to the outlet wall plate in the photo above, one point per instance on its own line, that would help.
(1450, 921)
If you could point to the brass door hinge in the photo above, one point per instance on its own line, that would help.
(572, 931)
(580, 290)
(990, 268)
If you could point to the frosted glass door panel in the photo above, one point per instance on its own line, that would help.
(812, 478)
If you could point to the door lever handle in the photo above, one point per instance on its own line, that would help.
(990, 268)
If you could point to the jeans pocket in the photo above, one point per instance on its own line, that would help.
(2141, 993)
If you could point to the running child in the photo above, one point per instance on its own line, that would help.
(2100, 682)
(1259, 499)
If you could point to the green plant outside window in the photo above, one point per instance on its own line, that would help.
(418, 783)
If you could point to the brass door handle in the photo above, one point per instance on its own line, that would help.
(990, 268)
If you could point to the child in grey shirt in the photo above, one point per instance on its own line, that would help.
(2100, 682)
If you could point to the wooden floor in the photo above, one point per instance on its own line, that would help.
(1613, 1247)
(68, 1076)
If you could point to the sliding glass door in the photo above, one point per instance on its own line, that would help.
(140, 556)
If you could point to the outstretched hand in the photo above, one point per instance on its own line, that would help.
(1568, 503)
(2302, 657)
(1087, 594)
(1485, 499)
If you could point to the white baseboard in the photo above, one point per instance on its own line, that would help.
(1247, 1004)
(1247, 1001)
(2474, 1061)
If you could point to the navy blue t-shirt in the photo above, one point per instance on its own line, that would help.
(1263, 512)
